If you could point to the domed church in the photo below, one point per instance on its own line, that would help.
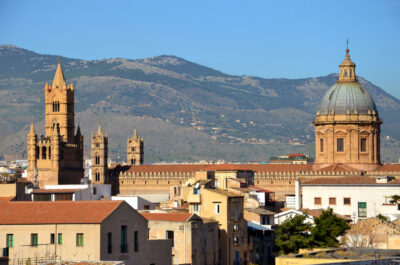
(347, 124)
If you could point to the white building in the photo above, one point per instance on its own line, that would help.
(355, 197)
(281, 217)
(136, 202)
(85, 192)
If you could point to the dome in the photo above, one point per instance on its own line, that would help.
(347, 98)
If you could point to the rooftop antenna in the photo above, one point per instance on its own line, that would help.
(347, 41)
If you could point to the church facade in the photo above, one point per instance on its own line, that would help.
(56, 157)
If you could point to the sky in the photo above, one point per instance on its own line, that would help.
(270, 39)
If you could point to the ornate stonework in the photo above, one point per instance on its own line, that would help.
(57, 157)
(135, 152)
(99, 155)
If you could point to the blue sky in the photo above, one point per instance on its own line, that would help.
(289, 39)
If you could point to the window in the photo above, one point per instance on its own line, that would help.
(339, 145)
(321, 145)
(97, 144)
(346, 201)
(52, 238)
(97, 159)
(237, 213)
(217, 208)
(109, 243)
(97, 175)
(44, 152)
(60, 238)
(332, 201)
(94, 190)
(49, 152)
(136, 241)
(56, 126)
(10, 240)
(56, 106)
(317, 200)
(362, 209)
(195, 207)
(363, 145)
(37, 152)
(124, 245)
(63, 197)
(170, 235)
(133, 149)
(34, 240)
(79, 239)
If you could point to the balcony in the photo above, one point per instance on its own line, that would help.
(194, 198)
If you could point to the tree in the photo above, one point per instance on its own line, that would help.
(328, 227)
(293, 234)
(395, 199)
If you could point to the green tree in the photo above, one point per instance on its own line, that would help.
(382, 217)
(328, 227)
(395, 199)
(293, 234)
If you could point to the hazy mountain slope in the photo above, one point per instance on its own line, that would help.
(184, 110)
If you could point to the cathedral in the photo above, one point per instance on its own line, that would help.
(347, 143)
(57, 157)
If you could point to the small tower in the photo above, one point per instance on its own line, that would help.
(99, 155)
(134, 153)
(32, 152)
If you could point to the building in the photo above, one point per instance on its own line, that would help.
(347, 124)
(85, 192)
(56, 157)
(65, 231)
(356, 197)
(136, 202)
(194, 241)
(99, 155)
(135, 150)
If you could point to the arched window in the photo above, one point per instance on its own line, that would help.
(49, 152)
(97, 159)
(44, 152)
(56, 106)
(56, 126)
(37, 152)
(97, 176)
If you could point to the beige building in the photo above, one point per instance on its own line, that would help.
(84, 230)
(135, 149)
(194, 241)
(99, 155)
(347, 125)
(57, 157)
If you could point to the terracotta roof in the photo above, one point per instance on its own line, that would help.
(55, 190)
(7, 199)
(224, 192)
(318, 212)
(66, 212)
(349, 180)
(260, 189)
(254, 167)
(169, 217)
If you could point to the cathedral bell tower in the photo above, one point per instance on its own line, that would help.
(134, 153)
(56, 157)
(99, 154)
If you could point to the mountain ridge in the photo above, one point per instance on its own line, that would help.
(236, 112)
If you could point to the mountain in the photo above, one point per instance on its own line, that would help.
(185, 111)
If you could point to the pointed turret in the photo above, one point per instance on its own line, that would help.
(32, 130)
(135, 136)
(59, 80)
(78, 131)
(99, 130)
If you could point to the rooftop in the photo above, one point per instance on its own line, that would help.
(59, 212)
(169, 217)
(349, 180)
(260, 211)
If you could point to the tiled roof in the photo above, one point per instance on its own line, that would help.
(318, 212)
(260, 211)
(7, 199)
(66, 212)
(55, 190)
(349, 180)
(169, 217)
(260, 189)
(191, 168)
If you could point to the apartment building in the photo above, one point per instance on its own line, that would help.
(194, 240)
(81, 230)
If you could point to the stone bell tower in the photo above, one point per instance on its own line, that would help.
(56, 157)
(99, 154)
(135, 152)
(347, 124)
